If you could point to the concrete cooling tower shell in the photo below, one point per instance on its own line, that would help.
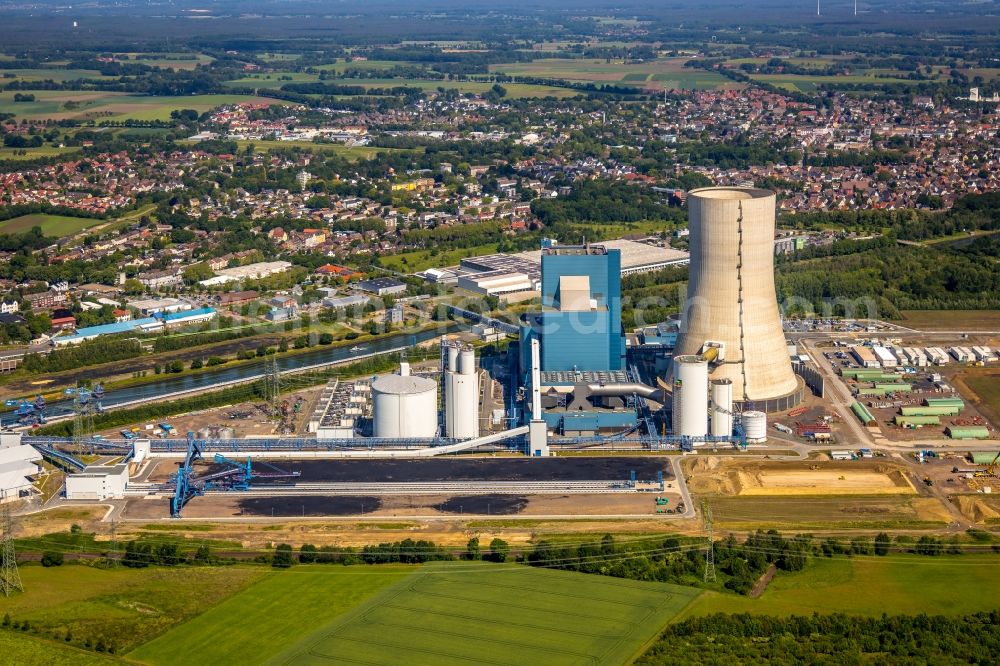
(731, 297)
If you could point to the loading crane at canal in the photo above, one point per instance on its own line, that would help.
(235, 476)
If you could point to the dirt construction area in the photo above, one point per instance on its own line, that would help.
(722, 476)
(233, 505)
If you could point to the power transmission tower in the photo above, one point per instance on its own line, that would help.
(272, 386)
(10, 578)
(83, 419)
(710, 553)
(113, 545)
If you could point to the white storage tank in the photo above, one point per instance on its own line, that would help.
(755, 426)
(722, 407)
(404, 406)
(461, 416)
(690, 399)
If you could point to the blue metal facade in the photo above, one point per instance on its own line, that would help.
(590, 340)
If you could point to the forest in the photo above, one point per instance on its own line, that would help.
(828, 639)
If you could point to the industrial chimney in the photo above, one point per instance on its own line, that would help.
(731, 314)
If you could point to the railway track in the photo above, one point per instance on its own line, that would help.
(417, 488)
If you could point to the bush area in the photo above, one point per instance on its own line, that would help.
(828, 639)
(91, 352)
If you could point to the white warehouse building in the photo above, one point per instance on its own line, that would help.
(98, 482)
(18, 464)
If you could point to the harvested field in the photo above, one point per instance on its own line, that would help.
(930, 320)
(751, 478)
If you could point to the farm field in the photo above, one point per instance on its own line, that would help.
(186, 61)
(97, 106)
(808, 83)
(986, 386)
(665, 73)
(247, 623)
(123, 607)
(448, 613)
(516, 90)
(954, 320)
(818, 513)
(52, 225)
(25, 650)
(870, 585)
(350, 152)
(418, 260)
(55, 74)
(19, 154)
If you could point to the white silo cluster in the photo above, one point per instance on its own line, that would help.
(405, 406)
(461, 393)
(698, 403)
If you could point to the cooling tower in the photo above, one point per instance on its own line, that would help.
(731, 303)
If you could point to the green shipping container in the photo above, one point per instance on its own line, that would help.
(917, 420)
(896, 387)
(968, 432)
(872, 392)
(983, 457)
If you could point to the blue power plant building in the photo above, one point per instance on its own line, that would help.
(581, 342)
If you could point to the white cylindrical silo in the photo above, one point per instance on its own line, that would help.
(690, 400)
(404, 406)
(467, 361)
(722, 407)
(452, 358)
(462, 405)
(755, 426)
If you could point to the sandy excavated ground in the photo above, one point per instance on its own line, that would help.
(715, 475)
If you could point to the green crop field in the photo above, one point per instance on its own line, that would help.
(27, 650)
(871, 585)
(665, 73)
(459, 613)
(275, 80)
(348, 152)
(809, 83)
(57, 75)
(122, 607)
(418, 260)
(19, 154)
(98, 106)
(818, 512)
(268, 617)
(52, 225)
(987, 388)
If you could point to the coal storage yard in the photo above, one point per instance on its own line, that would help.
(478, 469)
